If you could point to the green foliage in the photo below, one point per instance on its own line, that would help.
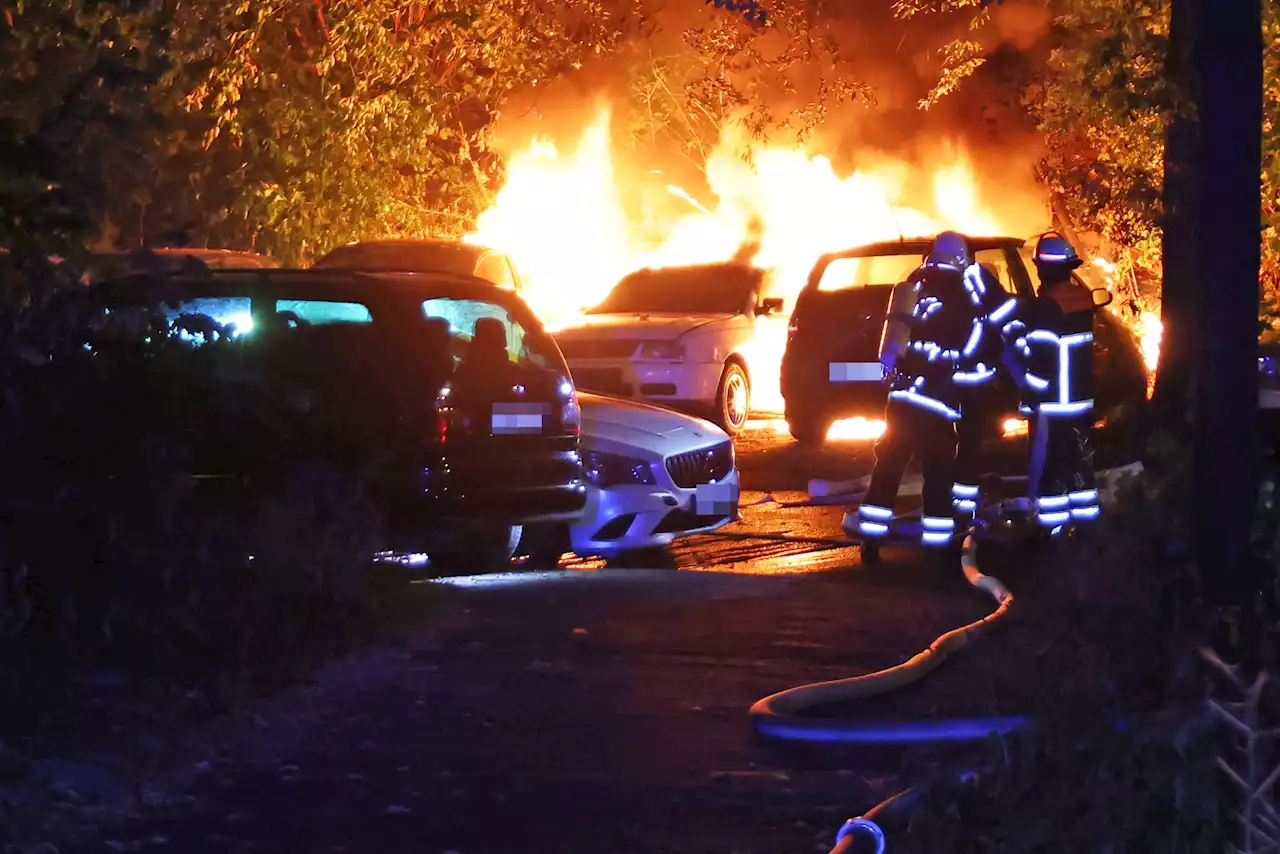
(75, 112)
(350, 119)
(1102, 101)
(680, 102)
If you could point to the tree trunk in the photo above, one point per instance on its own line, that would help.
(1228, 62)
(1172, 399)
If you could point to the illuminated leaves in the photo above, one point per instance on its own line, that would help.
(354, 119)
(959, 60)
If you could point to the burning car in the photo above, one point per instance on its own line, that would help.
(831, 367)
(653, 475)
(684, 337)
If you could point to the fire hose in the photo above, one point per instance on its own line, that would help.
(780, 715)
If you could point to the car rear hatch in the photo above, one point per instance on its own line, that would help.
(445, 435)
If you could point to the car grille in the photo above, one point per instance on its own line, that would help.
(598, 348)
(702, 466)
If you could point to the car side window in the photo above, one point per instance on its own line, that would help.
(996, 262)
(234, 313)
(320, 312)
(494, 268)
(463, 314)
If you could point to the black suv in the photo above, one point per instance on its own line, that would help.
(448, 383)
(831, 367)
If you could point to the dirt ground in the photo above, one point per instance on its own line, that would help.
(595, 709)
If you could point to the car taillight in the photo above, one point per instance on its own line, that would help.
(570, 411)
(440, 427)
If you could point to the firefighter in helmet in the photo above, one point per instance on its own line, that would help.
(1052, 344)
(977, 388)
(929, 350)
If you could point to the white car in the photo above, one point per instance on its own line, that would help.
(653, 475)
(676, 336)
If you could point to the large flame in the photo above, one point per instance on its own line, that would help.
(565, 220)
(1146, 325)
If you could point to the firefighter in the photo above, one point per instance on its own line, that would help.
(1053, 347)
(928, 350)
(977, 390)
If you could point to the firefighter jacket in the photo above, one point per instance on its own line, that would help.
(942, 353)
(1052, 346)
(992, 307)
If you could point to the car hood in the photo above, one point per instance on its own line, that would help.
(616, 425)
(624, 326)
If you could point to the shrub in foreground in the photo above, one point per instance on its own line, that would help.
(132, 539)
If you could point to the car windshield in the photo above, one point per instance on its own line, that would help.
(710, 289)
(846, 273)
(458, 258)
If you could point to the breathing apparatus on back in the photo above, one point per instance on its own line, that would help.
(950, 251)
(896, 334)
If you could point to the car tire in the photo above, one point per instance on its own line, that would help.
(543, 545)
(473, 548)
(808, 428)
(733, 399)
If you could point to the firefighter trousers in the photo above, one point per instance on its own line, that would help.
(1067, 490)
(975, 410)
(911, 430)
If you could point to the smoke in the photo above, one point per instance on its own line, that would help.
(750, 246)
(898, 59)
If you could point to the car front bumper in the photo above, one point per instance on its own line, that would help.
(627, 518)
(669, 383)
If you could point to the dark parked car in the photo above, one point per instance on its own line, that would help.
(114, 265)
(831, 367)
(447, 382)
(425, 256)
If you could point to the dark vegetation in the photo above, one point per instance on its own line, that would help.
(289, 127)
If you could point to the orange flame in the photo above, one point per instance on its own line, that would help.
(1146, 326)
(564, 220)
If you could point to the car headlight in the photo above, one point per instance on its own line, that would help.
(606, 470)
(666, 351)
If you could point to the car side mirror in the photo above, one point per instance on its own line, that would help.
(1101, 297)
(769, 307)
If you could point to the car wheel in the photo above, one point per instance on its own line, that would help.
(473, 548)
(808, 428)
(733, 399)
(543, 545)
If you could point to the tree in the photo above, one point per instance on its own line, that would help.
(75, 117)
(1228, 63)
(325, 122)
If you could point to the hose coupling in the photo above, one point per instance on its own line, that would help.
(859, 836)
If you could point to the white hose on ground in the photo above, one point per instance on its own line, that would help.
(781, 715)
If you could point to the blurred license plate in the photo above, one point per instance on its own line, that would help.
(715, 499)
(517, 418)
(856, 372)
